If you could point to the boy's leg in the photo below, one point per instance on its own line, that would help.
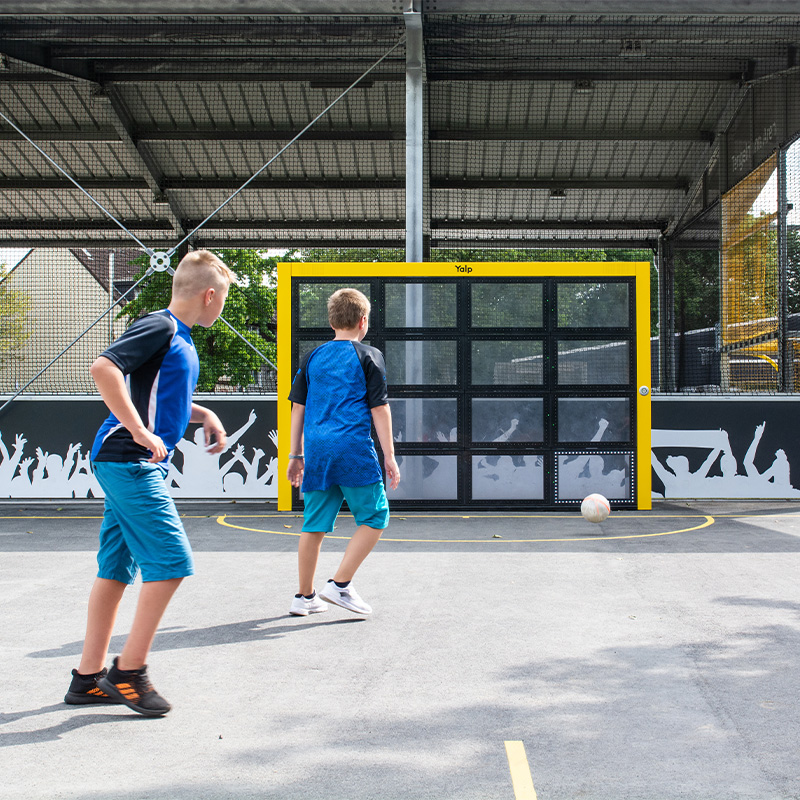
(153, 601)
(359, 547)
(307, 557)
(157, 540)
(104, 602)
(371, 512)
(319, 517)
(116, 570)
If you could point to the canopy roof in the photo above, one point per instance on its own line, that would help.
(541, 126)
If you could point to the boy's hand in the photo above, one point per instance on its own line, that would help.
(153, 443)
(392, 472)
(216, 438)
(295, 471)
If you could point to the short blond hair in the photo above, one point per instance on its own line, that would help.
(346, 307)
(200, 270)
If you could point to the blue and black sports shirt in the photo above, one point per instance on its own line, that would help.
(159, 361)
(338, 383)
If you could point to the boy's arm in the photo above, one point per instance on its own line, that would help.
(111, 384)
(212, 428)
(382, 419)
(296, 465)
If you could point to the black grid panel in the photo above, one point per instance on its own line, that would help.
(494, 402)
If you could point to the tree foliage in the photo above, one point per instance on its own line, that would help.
(697, 296)
(14, 308)
(250, 309)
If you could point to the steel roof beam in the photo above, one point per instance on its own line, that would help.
(300, 225)
(62, 135)
(513, 183)
(615, 76)
(138, 135)
(122, 120)
(289, 8)
(443, 135)
(316, 135)
(537, 244)
(23, 184)
(203, 184)
(343, 184)
(303, 184)
(67, 224)
(548, 225)
(318, 225)
(282, 7)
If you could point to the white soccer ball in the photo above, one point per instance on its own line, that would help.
(595, 508)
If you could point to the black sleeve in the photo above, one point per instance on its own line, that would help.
(375, 373)
(299, 392)
(146, 338)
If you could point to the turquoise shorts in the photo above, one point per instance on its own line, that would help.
(368, 504)
(141, 528)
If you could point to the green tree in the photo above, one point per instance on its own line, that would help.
(250, 309)
(14, 307)
(697, 289)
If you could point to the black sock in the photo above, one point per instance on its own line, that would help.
(342, 585)
(309, 596)
(88, 675)
(299, 595)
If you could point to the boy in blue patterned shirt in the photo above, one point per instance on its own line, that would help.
(146, 378)
(338, 392)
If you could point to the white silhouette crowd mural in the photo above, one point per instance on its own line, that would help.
(250, 473)
(681, 482)
(231, 474)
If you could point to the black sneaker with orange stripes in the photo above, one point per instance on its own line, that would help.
(83, 690)
(133, 688)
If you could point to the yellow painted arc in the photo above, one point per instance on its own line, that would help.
(222, 520)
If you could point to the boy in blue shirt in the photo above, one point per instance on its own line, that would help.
(339, 390)
(146, 378)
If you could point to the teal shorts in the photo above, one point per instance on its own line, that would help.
(141, 528)
(368, 504)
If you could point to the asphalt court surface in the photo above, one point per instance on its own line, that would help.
(652, 656)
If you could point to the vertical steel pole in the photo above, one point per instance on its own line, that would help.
(666, 291)
(785, 354)
(110, 296)
(414, 131)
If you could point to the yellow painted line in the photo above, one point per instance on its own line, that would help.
(222, 520)
(520, 771)
(544, 515)
(69, 516)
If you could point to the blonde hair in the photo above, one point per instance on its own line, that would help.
(200, 270)
(346, 307)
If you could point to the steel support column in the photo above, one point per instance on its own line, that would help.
(785, 354)
(666, 315)
(414, 131)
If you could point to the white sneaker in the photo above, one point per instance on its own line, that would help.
(302, 606)
(346, 598)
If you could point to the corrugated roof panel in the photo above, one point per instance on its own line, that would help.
(535, 205)
(303, 160)
(286, 107)
(559, 109)
(52, 106)
(556, 160)
(296, 204)
(90, 160)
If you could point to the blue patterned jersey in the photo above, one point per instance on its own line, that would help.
(159, 361)
(338, 383)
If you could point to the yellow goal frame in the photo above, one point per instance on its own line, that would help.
(639, 270)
